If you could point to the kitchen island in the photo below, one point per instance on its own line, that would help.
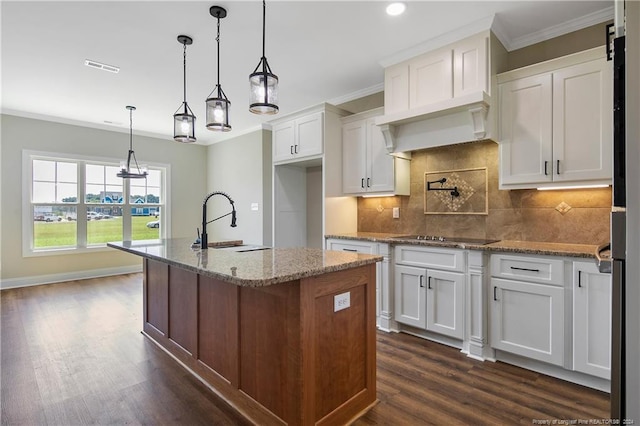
(284, 336)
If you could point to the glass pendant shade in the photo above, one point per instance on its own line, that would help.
(184, 121)
(218, 108)
(263, 90)
(263, 84)
(184, 126)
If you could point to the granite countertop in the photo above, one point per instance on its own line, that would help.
(589, 251)
(258, 268)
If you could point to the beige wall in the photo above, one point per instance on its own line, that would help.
(241, 167)
(188, 184)
(528, 215)
(576, 41)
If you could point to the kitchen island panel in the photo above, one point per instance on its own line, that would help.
(218, 307)
(183, 319)
(270, 348)
(339, 346)
(156, 295)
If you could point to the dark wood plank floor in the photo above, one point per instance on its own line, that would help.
(72, 354)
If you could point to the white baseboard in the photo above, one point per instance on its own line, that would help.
(67, 276)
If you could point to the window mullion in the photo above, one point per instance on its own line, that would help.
(81, 215)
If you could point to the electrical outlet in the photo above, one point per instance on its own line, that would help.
(396, 212)
(341, 301)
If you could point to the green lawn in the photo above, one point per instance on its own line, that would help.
(61, 234)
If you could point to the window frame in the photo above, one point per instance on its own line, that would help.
(81, 246)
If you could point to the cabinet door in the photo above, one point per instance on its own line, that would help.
(283, 139)
(354, 157)
(410, 293)
(525, 130)
(430, 79)
(396, 88)
(445, 303)
(470, 67)
(582, 122)
(309, 135)
(528, 319)
(380, 165)
(591, 320)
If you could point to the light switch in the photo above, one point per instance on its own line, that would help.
(396, 212)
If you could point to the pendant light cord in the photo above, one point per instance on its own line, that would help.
(264, 20)
(184, 75)
(218, 42)
(130, 132)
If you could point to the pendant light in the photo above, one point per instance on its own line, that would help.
(184, 122)
(263, 98)
(125, 167)
(217, 103)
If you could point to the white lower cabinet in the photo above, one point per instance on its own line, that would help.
(445, 291)
(429, 298)
(591, 320)
(527, 319)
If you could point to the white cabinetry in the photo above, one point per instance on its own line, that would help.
(556, 122)
(429, 289)
(298, 138)
(591, 320)
(382, 272)
(367, 166)
(307, 185)
(527, 306)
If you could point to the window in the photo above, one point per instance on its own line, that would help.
(80, 204)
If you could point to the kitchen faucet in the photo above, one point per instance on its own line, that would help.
(203, 239)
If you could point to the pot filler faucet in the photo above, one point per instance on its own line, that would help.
(204, 244)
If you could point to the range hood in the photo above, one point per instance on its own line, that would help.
(452, 121)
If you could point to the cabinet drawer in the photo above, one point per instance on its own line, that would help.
(543, 270)
(431, 257)
(352, 246)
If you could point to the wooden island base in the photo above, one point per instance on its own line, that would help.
(278, 354)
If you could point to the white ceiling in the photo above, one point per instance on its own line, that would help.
(322, 51)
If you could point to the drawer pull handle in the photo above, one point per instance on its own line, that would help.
(362, 183)
(558, 167)
(291, 150)
(421, 284)
(525, 269)
(368, 182)
(353, 250)
(545, 168)
(495, 289)
(429, 283)
(579, 279)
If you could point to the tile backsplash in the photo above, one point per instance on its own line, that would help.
(563, 216)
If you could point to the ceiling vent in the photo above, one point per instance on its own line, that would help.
(101, 66)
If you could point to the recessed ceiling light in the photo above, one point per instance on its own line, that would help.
(101, 66)
(395, 9)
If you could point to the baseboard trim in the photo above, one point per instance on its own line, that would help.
(67, 276)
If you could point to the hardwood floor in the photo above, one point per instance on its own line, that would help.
(72, 354)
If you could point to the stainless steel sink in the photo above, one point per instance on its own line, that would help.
(242, 248)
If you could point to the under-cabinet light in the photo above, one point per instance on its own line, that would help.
(572, 187)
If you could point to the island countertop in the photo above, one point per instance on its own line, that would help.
(256, 268)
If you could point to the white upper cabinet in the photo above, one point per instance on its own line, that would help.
(430, 78)
(367, 166)
(556, 122)
(298, 138)
(453, 71)
(470, 67)
(396, 88)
